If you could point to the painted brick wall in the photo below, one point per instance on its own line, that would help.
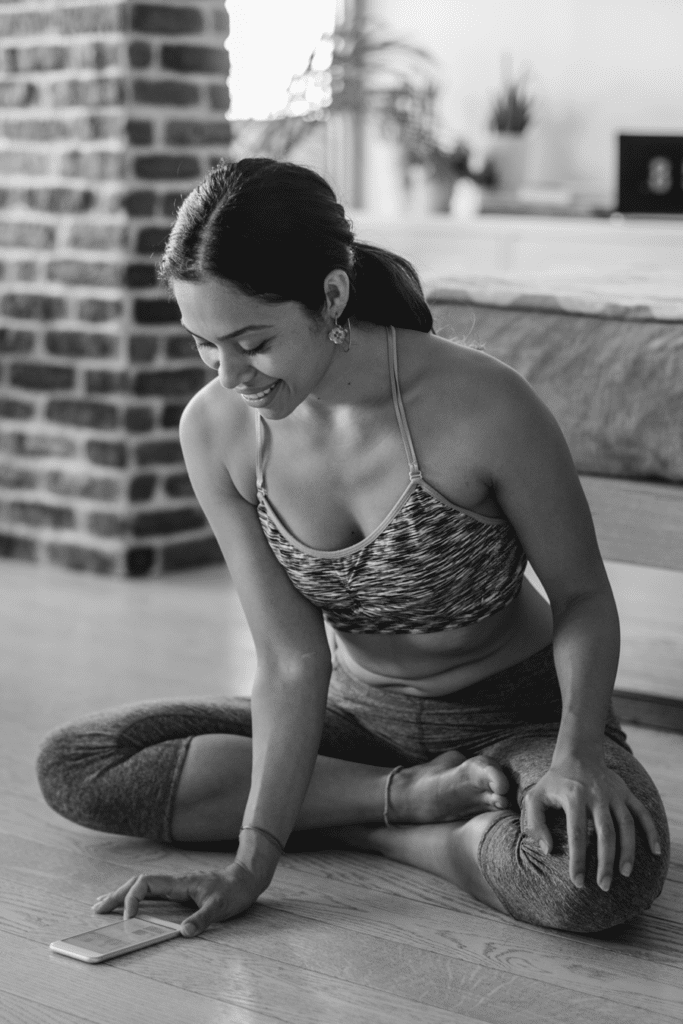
(110, 112)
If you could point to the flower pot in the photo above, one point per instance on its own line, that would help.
(439, 191)
(467, 199)
(509, 154)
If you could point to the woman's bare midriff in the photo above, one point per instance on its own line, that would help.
(436, 664)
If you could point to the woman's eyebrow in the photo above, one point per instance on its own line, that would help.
(227, 337)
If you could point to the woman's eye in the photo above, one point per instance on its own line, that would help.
(259, 348)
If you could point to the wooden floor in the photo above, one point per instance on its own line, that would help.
(338, 938)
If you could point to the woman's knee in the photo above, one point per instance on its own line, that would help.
(536, 887)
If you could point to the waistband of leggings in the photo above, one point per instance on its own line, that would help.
(363, 683)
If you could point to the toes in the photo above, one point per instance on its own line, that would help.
(492, 776)
(449, 759)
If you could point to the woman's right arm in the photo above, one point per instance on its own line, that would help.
(293, 662)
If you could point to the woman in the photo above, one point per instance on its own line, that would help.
(413, 691)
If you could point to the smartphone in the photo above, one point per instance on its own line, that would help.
(115, 939)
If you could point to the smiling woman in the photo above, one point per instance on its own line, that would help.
(407, 671)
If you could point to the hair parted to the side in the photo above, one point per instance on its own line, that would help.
(275, 230)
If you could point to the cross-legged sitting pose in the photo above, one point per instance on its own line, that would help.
(376, 491)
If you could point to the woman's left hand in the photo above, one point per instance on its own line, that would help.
(578, 786)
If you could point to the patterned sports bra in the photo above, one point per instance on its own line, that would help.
(429, 566)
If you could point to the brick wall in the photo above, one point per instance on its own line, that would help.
(110, 112)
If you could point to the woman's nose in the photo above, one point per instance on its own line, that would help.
(232, 371)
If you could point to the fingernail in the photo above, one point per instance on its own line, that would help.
(544, 847)
(605, 883)
(579, 881)
(658, 849)
(626, 870)
(189, 930)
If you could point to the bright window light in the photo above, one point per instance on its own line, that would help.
(269, 42)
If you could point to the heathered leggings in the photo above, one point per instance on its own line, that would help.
(118, 770)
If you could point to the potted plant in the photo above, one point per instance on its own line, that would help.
(509, 120)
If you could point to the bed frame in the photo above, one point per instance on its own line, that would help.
(640, 522)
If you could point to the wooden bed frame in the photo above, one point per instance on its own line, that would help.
(640, 522)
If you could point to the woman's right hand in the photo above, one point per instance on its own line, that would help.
(218, 895)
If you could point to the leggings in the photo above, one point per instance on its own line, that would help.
(117, 771)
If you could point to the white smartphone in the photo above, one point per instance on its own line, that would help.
(116, 939)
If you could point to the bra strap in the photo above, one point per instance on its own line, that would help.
(260, 485)
(413, 467)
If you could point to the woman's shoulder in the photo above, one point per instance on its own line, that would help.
(224, 429)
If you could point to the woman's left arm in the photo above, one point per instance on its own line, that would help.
(536, 484)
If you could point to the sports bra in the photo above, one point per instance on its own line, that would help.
(429, 566)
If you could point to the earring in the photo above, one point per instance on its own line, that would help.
(341, 335)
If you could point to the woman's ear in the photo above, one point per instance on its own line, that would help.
(337, 289)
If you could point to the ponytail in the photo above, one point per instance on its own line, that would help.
(275, 230)
(386, 290)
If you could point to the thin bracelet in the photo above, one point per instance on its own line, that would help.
(394, 771)
(264, 832)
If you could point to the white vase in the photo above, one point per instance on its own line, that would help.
(467, 199)
(509, 153)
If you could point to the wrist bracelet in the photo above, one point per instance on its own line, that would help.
(394, 771)
(264, 832)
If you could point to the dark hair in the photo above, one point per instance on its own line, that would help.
(275, 230)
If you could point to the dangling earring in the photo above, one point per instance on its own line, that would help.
(341, 335)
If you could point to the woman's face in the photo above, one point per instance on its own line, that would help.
(255, 346)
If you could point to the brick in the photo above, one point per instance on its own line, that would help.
(99, 236)
(139, 54)
(142, 348)
(169, 382)
(42, 377)
(139, 561)
(11, 408)
(97, 55)
(179, 486)
(198, 133)
(34, 307)
(87, 92)
(76, 556)
(156, 311)
(60, 200)
(98, 126)
(164, 20)
(77, 272)
(24, 270)
(147, 524)
(28, 236)
(166, 92)
(171, 415)
(36, 130)
(79, 485)
(152, 240)
(152, 452)
(38, 445)
(81, 343)
(16, 476)
(107, 382)
(139, 419)
(15, 341)
(37, 58)
(181, 346)
(139, 133)
(18, 547)
(140, 275)
(26, 23)
(79, 413)
(39, 514)
(172, 202)
(17, 94)
(24, 163)
(142, 487)
(93, 166)
(139, 204)
(196, 58)
(107, 453)
(204, 551)
(219, 97)
(95, 18)
(106, 524)
(98, 310)
(221, 22)
(167, 167)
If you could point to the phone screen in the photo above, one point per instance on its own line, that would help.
(118, 935)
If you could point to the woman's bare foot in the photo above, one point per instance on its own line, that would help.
(448, 788)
